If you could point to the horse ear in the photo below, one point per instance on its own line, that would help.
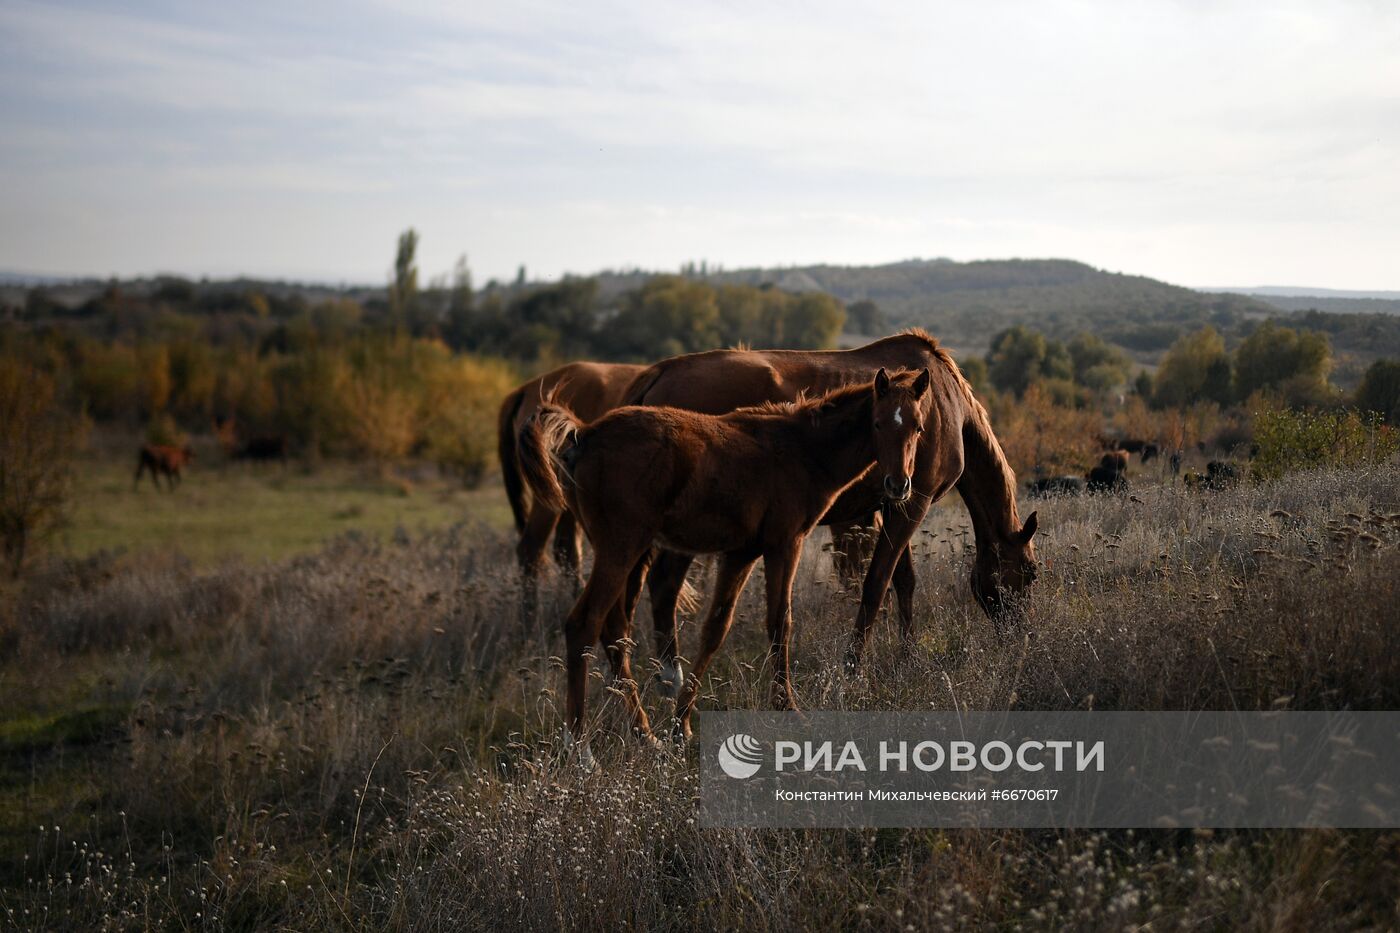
(1028, 529)
(882, 382)
(921, 383)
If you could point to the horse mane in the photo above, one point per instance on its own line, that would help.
(809, 403)
(977, 420)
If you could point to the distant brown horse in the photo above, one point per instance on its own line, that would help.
(749, 484)
(162, 460)
(1116, 460)
(962, 452)
(589, 390)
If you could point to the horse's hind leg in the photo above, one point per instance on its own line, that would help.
(617, 641)
(136, 480)
(734, 572)
(529, 553)
(604, 591)
(665, 583)
(568, 548)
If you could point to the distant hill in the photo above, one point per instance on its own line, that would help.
(1333, 300)
(966, 303)
(1296, 291)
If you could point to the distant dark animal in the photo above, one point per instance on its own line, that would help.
(263, 448)
(1149, 452)
(1133, 445)
(1049, 486)
(1219, 475)
(162, 460)
(1115, 460)
(1106, 479)
(1176, 462)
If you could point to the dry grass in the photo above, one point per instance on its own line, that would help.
(364, 738)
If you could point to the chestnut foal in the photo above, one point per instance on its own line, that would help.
(752, 483)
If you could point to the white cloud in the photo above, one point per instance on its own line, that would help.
(1177, 139)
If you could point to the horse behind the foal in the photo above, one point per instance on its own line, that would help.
(749, 484)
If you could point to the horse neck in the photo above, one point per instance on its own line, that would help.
(839, 441)
(987, 485)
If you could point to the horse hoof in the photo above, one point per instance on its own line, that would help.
(852, 664)
(668, 681)
(577, 752)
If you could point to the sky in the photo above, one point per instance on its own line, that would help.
(1204, 143)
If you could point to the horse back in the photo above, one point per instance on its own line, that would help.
(589, 390)
(718, 381)
(698, 479)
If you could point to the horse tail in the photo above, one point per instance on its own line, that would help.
(505, 449)
(551, 431)
(688, 599)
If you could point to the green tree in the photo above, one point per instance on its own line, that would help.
(864, 317)
(460, 306)
(1098, 366)
(812, 321)
(1290, 362)
(1195, 369)
(666, 316)
(403, 291)
(1380, 390)
(1020, 356)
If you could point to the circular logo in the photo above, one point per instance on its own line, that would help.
(740, 756)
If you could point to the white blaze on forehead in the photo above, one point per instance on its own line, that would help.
(898, 417)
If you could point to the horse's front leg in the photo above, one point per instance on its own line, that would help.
(604, 591)
(904, 582)
(890, 546)
(734, 569)
(779, 567)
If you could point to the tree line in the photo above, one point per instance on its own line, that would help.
(1290, 365)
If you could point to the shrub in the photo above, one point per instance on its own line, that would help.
(1380, 390)
(37, 444)
(459, 415)
(1292, 440)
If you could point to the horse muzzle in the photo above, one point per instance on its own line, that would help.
(898, 490)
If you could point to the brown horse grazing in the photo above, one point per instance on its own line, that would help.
(162, 460)
(749, 484)
(589, 390)
(962, 452)
(1116, 460)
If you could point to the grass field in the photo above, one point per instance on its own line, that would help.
(363, 736)
(264, 511)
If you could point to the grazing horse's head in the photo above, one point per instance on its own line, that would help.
(900, 413)
(1002, 573)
